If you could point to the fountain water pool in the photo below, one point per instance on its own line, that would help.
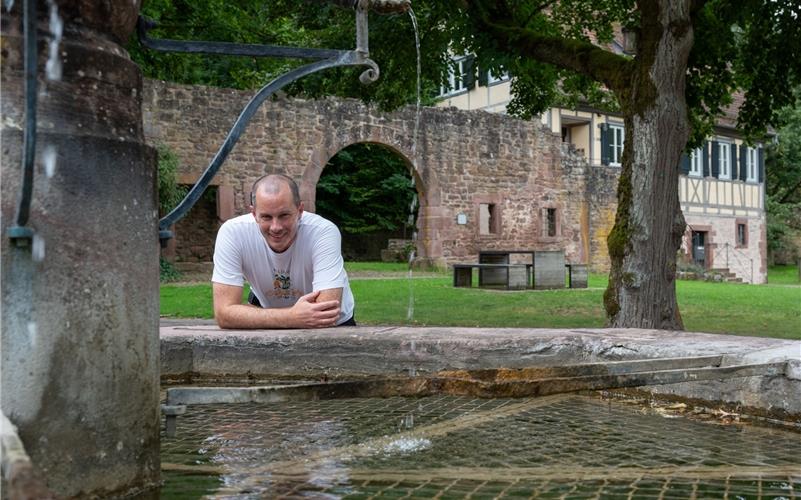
(564, 446)
(449, 443)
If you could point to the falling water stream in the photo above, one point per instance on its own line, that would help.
(412, 222)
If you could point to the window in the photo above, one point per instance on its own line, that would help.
(742, 235)
(751, 164)
(492, 78)
(487, 218)
(697, 163)
(459, 77)
(551, 222)
(615, 145)
(724, 160)
(565, 134)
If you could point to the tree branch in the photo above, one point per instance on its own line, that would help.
(582, 57)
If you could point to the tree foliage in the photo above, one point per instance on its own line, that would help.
(298, 24)
(366, 188)
(739, 45)
(783, 184)
(169, 191)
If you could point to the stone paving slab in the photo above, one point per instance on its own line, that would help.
(205, 351)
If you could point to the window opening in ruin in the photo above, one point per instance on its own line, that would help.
(551, 222)
(487, 218)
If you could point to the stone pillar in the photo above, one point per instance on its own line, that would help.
(80, 359)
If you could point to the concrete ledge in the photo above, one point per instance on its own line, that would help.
(205, 352)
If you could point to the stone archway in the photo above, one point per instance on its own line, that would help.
(383, 181)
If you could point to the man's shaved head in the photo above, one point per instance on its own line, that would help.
(272, 184)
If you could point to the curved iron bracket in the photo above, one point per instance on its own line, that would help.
(327, 58)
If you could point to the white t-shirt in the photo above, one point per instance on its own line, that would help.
(313, 262)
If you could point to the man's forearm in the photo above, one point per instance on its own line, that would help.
(253, 317)
(314, 310)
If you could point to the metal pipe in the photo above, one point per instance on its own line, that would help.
(19, 232)
(377, 6)
(362, 32)
(227, 48)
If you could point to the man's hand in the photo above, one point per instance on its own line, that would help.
(315, 310)
(309, 313)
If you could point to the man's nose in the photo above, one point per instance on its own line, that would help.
(275, 225)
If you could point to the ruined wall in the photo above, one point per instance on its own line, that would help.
(463, 163)
(602, 201)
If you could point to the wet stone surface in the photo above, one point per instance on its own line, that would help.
(565, 446)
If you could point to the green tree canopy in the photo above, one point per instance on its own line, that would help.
(783, 184)
(366, 188)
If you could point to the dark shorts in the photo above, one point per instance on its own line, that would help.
(253, 300)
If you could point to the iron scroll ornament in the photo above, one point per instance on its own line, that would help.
(326, 58)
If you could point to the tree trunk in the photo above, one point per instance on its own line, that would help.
(649, 223)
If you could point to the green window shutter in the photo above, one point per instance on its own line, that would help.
(483, 77)
(733, 163)
(706, 170)
(684, 164)
(761, 164)
(715, 159)
(743, 162)
(606, 144)
(469, 72)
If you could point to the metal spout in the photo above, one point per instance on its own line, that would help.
(377, 6)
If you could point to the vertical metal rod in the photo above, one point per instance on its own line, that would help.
(29, 139)
(361, 28)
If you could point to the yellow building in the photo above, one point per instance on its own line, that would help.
(721, 187)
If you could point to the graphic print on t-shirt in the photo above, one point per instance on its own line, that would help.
(282, 285)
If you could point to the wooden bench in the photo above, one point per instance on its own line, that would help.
(516, 276)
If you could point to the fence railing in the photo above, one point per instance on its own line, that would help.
(732, 256)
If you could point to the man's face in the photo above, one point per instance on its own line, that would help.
(277, 217)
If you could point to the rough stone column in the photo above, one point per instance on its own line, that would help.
(80, 308)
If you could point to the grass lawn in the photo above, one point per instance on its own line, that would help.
(772, 310)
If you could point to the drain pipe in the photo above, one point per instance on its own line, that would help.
(20, 234)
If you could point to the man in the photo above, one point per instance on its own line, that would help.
(291, 258)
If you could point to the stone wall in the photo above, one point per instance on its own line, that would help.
(464, 162)
(602, 203)
(198, 230)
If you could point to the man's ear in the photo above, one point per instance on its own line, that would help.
(300, 209)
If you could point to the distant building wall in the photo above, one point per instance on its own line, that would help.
(463, 163)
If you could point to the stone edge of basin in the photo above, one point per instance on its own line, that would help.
(204, 352)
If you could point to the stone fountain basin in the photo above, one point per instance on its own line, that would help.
(207, 355)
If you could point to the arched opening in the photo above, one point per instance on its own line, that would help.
(366, 189)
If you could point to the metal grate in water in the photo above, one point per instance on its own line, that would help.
(563, 446)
